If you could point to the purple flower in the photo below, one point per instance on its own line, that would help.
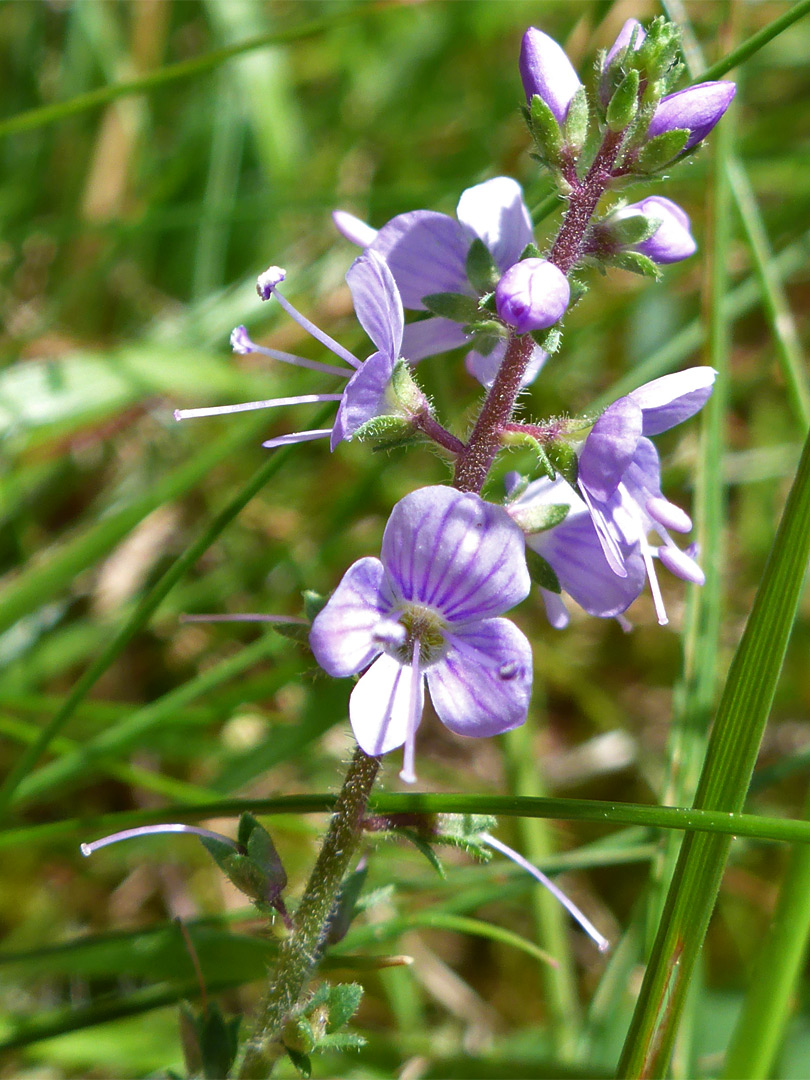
(532, 295)
(379, 311)
(672, 240)
(427, 253)
(695, 109)
(427, 609)
(547, 71)
(620, 476)
(574, 552)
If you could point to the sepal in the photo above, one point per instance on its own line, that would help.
(661, 150)
(389, 432)
(482, 270)
(256, 870)
(575, 125)
(545, 130)
(564, 459)
(635, 262)
(541, 572)
(623, 106)
(525, 440)
(405, 388)
(455, 306)
(538, 517)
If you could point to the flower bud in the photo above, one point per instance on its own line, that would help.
(623, 40)
(672, 240)
(532, 295)
(695, 109)
(547, 71)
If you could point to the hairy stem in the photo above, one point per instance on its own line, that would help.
(300, 952)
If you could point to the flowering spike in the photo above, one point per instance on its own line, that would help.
(532, 295)
(546, 71)
(600, 940)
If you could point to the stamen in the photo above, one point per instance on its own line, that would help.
(250, 406)
(408, 774)
(311, 328)
(297, 437)
(669, 515)
(241, 343)
(149, 830)
(655, 588)
(601, 942)
(680, 564)
(266, 282)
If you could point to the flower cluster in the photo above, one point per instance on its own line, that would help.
(591, 519)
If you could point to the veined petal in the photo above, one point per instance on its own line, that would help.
(672, 399)
(455, 552)
(432, 336)
(426, 252)
(483, 683)
(496, 213)
(610, 447)
(364, 397)
(377, 302)
(342, 634)
(380, 706)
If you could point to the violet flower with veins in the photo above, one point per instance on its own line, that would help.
(427, 610)
(574, 552)
(620, 476)
(427, 253)
(379, 310)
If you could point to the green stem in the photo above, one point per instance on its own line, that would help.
(300, 952)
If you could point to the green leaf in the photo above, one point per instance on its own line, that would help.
(482, 270)
(301, 1062)
(455, 306)
(545, 130)
(635, 263)
(535, 518)
(541, 572)
(575, 125)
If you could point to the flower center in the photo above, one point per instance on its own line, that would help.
(425, 625)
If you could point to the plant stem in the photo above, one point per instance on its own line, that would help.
(301, 951)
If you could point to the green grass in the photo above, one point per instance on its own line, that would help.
(155, 158)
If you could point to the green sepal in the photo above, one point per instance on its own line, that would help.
(405, 388)
(344, 1001)
(548, 340)
(527, 441)
(623, 106)
(564, 459)
(482, 270)
(389, 432)
(487, 333)
(657, 52)
(661, 150)
(463, 831)
(314, 603)
(541, 572)
(634, 229)
(424, 847)
(545, 130)
(301, 1062)
(575, 125)
(635, 262)
(210, 1042)
(343, 1040)
(531, 251)
(538, 518)
(517, 490)
(298, 1036)
(295, 631)
(258, 872)
(456, 306)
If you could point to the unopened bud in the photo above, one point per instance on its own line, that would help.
(547, 71)
(695, 109)
(671, 241)
(532, 295)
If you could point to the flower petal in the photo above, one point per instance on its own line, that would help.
(484, 367)
(455, 552)
(364, 397)
(672, 399)
(496, 213)
(610, 447)
(342, 634)
(377, 302)
(426, 252)
(380, 706)
(483, 683)
(432, 336)
(353, 228)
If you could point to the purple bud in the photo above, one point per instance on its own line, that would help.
(696, 109)
(266, 282)
(623, 40)
(672, 240)
(547, 71)
(532, 295)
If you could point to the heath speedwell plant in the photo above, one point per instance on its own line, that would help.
(531, 501)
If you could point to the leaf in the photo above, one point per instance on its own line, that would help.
(344, 1001)
(541, 572)
(455, 306)
(482, 270)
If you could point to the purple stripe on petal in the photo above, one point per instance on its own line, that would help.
(426, 252)
(377, 303)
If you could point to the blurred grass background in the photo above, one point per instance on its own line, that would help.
(132, 233)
